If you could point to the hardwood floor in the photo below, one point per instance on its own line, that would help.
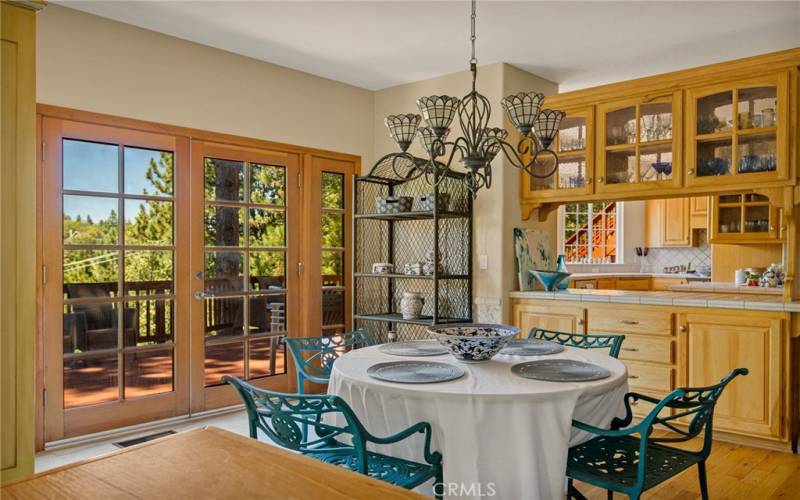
(734, 472)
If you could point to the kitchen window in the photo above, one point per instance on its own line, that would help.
(589, 232)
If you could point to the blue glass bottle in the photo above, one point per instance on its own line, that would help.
(561, 267)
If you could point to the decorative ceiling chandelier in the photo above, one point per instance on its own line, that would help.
(478, 143)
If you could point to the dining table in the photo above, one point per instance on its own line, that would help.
(198, 464)
(501, 435)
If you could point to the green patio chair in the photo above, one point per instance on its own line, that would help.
(616, 460)
(318, 366)
(611, 342)
(287, 419)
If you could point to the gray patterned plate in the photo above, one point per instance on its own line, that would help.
(560, 370)
(531, 347)
(413, 348)
(414, 372)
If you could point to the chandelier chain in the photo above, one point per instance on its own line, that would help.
(473, 59)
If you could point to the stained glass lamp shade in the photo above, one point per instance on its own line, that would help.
(491, 146)
(546, 126)
(522, 110)
(402, 128)
(438, 112)
(426, 138)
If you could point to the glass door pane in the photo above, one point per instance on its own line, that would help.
(715, 113)
(118, 279)
(333, 252)
(756, 107)
(245, 289)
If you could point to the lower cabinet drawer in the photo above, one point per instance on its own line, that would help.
(633, 283)
(616, 320)
(649, 378)
(647, 348)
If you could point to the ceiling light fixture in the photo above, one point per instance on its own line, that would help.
(478, 144)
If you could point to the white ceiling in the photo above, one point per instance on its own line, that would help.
(378, 44)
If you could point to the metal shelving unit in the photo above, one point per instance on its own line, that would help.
(403, 238)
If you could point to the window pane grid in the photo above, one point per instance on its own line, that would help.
(589, 232)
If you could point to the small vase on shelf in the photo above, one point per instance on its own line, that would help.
(561, 267)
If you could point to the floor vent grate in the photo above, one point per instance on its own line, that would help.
(142, 439)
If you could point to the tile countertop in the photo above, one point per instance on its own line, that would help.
(718, 287)
(635, 275)
(757, 302)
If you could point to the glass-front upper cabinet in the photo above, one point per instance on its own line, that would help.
(640, 141)
(745, 218)
(737, 133)
(574, 145)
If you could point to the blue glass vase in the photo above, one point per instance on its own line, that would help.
(561, 267)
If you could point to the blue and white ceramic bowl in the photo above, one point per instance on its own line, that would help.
(473, 342)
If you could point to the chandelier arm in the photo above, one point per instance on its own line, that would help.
(407, 156)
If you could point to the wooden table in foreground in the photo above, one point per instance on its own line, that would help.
(203, 463)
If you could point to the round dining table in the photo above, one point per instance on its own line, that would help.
(500, 435)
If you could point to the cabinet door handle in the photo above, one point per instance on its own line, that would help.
(601, 180)
(771, 228)
(628, 322)
(690, 171)
(682, 328)
(633, 376)
(588, 180)
(580, 322)
(631, 349)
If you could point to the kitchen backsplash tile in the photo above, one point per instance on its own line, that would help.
(699, 256)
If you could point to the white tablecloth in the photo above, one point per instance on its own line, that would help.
(498, 433)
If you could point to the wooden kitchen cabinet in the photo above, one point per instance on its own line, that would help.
(575, 147)
(665, 284)
(666, 347)
(549, 317)
(737, 132)
(585, 284)
(639, 144)
(714, 344)
(698, 212)
(668, 223)
(744, 218)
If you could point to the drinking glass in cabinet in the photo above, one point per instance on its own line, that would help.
(756, 153)
(655, 122)
(756, 219)
(621, 126)
(620, 166)
(572, 134)
(715, 113)
(572, 173)
(756, 107)
(730, 219)
(714, 157)
(655, 163)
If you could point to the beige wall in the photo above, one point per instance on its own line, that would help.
(496, 211)
(95, 64)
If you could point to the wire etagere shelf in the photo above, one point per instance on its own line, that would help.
(406, 238)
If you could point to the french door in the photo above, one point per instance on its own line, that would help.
(169, 262)
(114, 210)
(245, 241)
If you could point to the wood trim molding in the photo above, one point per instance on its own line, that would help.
(192, 133)
(676, 80)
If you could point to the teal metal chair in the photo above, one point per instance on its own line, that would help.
(325, 350)
(616, 460)
(288, 418)
(611, 342)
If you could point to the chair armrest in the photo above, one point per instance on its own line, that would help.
(423, 427)
(606, 432)
(619, 423)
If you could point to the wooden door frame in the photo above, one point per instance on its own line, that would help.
(56, 419)
(45, 111)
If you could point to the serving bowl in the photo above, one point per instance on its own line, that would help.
(550, 279)
(473, 342)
